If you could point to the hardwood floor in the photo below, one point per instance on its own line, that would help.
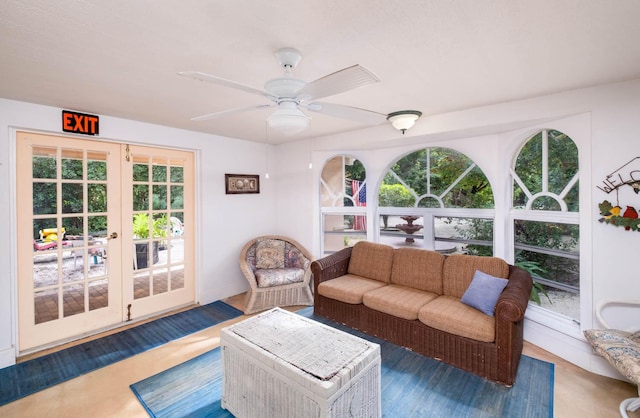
(105, 392)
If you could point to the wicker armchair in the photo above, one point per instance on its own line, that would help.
(278, 271)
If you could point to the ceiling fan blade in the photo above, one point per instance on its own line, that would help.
(230, 111)
(343, 80)
(197, 75)
(367, 117)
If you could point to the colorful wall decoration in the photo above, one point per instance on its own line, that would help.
(621, 215)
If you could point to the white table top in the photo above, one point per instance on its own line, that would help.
(313, 347)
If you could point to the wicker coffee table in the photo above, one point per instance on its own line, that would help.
(280, 364)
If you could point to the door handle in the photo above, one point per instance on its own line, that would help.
(113, 235)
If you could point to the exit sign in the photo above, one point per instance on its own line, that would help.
(80, 123)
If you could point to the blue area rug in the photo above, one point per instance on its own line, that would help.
(412, 386)
(23, 379)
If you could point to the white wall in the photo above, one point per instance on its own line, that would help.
(604, 123)
(226, 221)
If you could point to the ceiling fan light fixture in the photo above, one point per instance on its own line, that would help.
(403, 119)
(288, 119)
(288, 93)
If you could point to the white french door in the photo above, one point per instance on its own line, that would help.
(78, 203)
(159, 230)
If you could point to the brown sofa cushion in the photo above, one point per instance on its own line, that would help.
(403, 302)
(371, 260)
(448, 314)
(348, 288)
(459, 269)
(418, 269)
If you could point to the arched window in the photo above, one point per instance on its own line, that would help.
(437, 198)
(545, 219)
(343, 200)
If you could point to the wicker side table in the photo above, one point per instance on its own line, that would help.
(279, 364)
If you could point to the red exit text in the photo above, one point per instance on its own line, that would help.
(80, 123)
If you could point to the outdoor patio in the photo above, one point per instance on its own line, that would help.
(45, 273)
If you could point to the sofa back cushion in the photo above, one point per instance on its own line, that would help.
(371, 260)
(459, 269)
(418, 269)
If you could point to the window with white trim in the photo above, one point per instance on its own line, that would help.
(545, 216)
(439, 199)
(343, 197)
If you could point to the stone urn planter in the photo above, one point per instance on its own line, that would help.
(409, 228)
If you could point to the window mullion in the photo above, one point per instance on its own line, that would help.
(545, 161)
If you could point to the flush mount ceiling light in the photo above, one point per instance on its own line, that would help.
(403, 119)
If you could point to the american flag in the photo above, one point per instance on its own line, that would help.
(359, 191)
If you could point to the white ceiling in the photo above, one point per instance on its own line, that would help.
(120, 57)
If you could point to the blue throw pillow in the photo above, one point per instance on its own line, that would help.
(483, 292)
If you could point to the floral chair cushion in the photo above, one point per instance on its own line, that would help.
(270, 254)
(279, 276)
(294, 258)
(620, 348)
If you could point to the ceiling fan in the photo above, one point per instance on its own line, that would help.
(290, 94)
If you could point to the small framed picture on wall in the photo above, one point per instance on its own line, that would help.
(242, 183)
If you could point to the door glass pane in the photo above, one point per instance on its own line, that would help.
(98, 197)
(45, 198)
(176, 251)
(73, 227)
(159, 170)
(98, 294)
(163, 254)
(45, 304)
(177, 197)
(160, 282)
(140, 171)
(140, 197)
(41, 225)
(71, 165)
(44, 163)
(73, 299)
(98, 227)
(73, 266)
(45, 269)
(177, 224)
(160, 225)
(72, 198)
(159, 197)
(96, 260)
(97, 166)
(177, 277)
(177, 175)
(141, 285)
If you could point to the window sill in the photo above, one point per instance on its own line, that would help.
(555, 321)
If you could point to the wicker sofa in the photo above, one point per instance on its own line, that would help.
(412, 297)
